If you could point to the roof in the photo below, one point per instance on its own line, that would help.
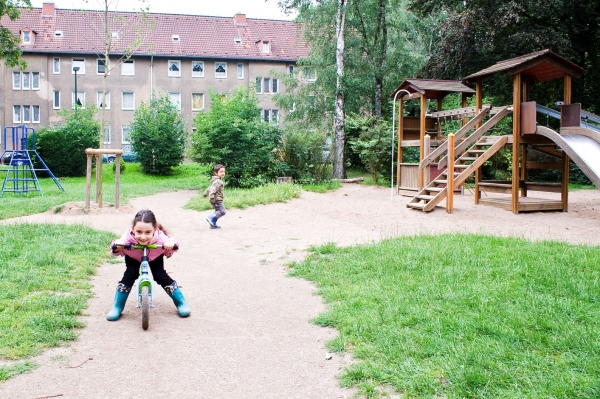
(433, 88)
(199, 36)
(538, 67)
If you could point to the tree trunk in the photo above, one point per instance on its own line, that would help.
(339, 168)
(379, 71)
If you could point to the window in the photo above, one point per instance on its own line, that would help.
(99, 96)
(26, 81)
(16, 80)
(275, 115)
(106, 134)
(36, 113)
(128, 68)
(56, 65)
(127, 101)
(26, 113)
(266, 85)
(114, 35)
(275, 85)
(175, 38)
(101, 66)
(26, 37)
(265, 47)
(80, 99)
(16, 113)
(174, 68)
(240, 70)
(220, 69)
(291, 69)
(266, 115)
(310, 74)
(56, 100)
(258, 85)
(125, 134)
(197, 69)
(59, 33)
(35, 80)
(197, 101)
(176, 99)
(78, 62)
(237, 41)
(271, 115)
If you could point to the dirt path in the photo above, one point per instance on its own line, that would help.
(249, 334)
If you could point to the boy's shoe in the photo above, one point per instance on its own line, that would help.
(211, 221)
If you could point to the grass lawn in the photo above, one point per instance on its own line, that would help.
(44, 286)
(464, 316)
(133, 184)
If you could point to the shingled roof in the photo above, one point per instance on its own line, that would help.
(538, 67)
(433, 88)
(198, 36)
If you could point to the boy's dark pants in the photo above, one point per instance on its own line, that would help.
(219, 209)
(157, 267)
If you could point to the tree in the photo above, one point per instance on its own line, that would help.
(11, 44)
(233, 134)
(339, 169)
(158, 135)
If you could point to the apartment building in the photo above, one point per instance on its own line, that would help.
(178, 55)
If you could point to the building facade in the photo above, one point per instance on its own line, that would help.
(179, 55)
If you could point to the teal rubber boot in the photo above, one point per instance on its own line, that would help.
(177, 296)
(120, 298)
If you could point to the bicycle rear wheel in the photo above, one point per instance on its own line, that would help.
(145, 307)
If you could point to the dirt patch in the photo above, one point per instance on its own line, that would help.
(79, 208)
(249, 335)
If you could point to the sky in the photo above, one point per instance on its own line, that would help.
(216, 8)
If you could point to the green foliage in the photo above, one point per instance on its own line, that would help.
(372, 145)
(307, 155)
(62, 147)
(10, 43)
(158, 135)
(9, 371)
(44, 284)
(122, 163)
(454, 316)
(233, 134)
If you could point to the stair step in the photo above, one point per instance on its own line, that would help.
(459, 166)
(477, 151)
(444, 181)
(434, 189)
(415, 205)
(425, 197)
(468, 158)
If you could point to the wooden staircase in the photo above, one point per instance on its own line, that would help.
(471, 159)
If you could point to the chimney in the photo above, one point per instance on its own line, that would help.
(240, 19)
(48, 9)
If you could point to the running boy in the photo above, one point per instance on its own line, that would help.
(214, 192)
(146, 230)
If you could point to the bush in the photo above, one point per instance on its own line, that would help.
(122, 163)
(307, 155)
(63, 147)
(158, 135)
(373, 146)
(233, 134)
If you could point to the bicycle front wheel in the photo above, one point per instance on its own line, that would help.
(145, 307)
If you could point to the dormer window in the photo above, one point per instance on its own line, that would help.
(237, 41)
(59, 33)
(266, 48)
(115, 35)
(27, 37)
(175, 38)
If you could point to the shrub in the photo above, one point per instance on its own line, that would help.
(233, 134)
(373, 146)
(158, 135)
(63, 147)
(307, 155)
(122, 163)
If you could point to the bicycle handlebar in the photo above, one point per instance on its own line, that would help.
(114, 247)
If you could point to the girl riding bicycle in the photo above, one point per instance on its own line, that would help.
(146, 230)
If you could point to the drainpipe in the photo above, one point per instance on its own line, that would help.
(151, 75)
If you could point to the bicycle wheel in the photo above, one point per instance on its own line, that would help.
(145, 307)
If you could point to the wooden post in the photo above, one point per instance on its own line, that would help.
(422, 140)
(99, 180)
(400, 138)
(526, 87)
(450, 175)
(564, 196)
(479, 97)
(524, 174)
(117, 180)
(88, 181)
(426, 154)
(463, 104)
(439, 125)
(516, 142)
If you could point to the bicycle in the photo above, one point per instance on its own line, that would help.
(144, 286)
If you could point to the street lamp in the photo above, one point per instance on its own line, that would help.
(75, 99)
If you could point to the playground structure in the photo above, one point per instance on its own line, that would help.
(90, 152)
(18, 160)
(575, 143)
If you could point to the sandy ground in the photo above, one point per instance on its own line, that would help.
(249, 335)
